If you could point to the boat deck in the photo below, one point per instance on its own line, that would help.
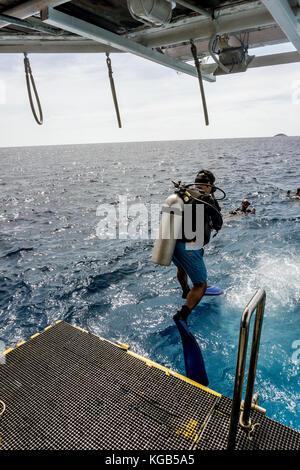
(68, 389)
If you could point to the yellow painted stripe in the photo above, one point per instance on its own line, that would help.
(123, 345)
(115, 343)
(34, 336)
(31, 337)
(81, 329)
(147, 361)
(175, 374)
(7, 351)
(47, 327)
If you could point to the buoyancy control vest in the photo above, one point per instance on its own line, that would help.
(212, 217)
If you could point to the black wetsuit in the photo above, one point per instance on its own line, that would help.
(240, 211)
(212, 216)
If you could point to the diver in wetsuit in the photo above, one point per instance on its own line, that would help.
(243, 209)
(188, 258)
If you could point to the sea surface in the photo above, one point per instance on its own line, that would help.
(54, 265)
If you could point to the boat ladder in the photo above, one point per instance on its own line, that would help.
(240, 411)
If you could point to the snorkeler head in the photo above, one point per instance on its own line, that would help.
(245, 203)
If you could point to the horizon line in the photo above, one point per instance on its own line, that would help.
(143, 141)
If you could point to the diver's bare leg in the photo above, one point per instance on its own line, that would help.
(183, 281)
(195, 295)
(193, 298)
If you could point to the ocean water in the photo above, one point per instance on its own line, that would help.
(53, 266)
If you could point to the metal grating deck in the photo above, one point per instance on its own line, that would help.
(268, 436)
(68, 389)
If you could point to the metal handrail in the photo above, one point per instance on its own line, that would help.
(257, 302)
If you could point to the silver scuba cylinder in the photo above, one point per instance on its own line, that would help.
(170, 230)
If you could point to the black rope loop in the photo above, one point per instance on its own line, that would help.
(31, 85)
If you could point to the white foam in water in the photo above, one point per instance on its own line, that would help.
(279, 276)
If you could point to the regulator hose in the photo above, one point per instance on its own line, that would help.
(206, 203)
(182, 190)
(212, 186)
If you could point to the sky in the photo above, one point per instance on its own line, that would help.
(156, 103)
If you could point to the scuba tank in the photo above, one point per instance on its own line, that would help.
(169, 230)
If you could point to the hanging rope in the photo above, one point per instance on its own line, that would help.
(31, 85)
(113, 90)
(197, 65)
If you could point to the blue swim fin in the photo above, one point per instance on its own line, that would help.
(194, 363)
(213, 290)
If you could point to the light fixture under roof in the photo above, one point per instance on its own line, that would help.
(152, 12)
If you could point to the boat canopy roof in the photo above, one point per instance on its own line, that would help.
(160, 30)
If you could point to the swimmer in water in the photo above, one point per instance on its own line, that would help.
(243, 209)
(295, 196)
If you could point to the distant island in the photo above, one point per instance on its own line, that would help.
(280, 135)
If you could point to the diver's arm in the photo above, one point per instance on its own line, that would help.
(216, 217)
(216, 202)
